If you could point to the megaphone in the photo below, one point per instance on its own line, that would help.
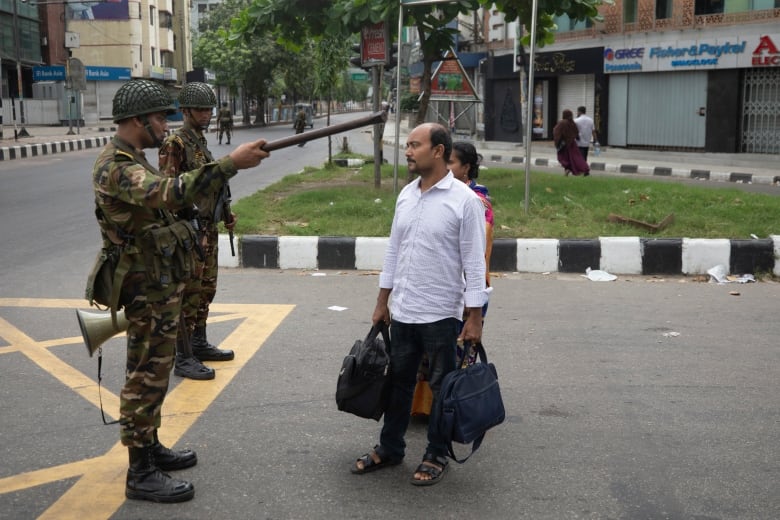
(97, 328)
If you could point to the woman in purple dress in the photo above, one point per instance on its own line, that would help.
(565, 137)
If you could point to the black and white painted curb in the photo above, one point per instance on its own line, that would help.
(616, 255)
(657, 171)
(24, 151)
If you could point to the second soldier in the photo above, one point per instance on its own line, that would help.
(186, 149)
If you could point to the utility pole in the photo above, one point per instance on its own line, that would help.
(22, 132)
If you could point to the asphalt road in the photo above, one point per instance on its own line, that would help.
(644, 398)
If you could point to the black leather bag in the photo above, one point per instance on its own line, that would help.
(469, 404)
(364, 380)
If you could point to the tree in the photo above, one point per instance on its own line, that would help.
(296, 20)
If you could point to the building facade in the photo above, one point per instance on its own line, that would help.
(80, 53)
(698, 75)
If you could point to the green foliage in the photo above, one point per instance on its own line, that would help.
(410, 102)
(294, 22)
(343, 202)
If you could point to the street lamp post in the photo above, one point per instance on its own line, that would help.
(17, 46)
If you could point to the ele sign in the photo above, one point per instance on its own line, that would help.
(760, 50)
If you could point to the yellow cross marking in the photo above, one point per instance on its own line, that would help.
(99, 491)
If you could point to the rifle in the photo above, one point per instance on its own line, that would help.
(222, 212)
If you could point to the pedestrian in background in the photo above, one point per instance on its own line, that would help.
(587, 132)
(437, 237)
(135, 208)
(565, 134)
(184, 150)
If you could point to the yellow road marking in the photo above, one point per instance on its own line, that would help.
(99, 490)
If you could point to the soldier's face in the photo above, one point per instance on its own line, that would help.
(159, 124)
(200, 116)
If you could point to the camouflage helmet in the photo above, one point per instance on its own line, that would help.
(141, 96)
(197, 95)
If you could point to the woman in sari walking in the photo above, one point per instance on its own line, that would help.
(565, 136)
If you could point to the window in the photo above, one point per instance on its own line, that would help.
(154, 61)
(629, 11)
(166, 20)
(708, 7)
(663, 9)
(566, 24)
(151, 15)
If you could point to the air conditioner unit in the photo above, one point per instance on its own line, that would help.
(44, 41)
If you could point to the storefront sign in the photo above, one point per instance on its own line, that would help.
(723, 53)
(766, 53)
(52, 73)
(92, 73)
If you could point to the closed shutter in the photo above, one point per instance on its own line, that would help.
(575, 90)
(761, 111)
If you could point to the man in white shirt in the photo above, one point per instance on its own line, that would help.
(587, 131)
(434, 266)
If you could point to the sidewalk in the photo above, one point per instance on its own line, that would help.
(723, 167)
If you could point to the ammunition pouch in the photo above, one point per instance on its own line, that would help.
(100, 282)
(168, 254)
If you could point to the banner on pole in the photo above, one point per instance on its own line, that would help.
(449, 82)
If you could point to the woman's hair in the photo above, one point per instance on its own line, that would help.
(568, 115)
(467, 154)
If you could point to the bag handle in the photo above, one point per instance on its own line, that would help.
(376, 328)
(465, 346)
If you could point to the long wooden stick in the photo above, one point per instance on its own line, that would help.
(371, 119)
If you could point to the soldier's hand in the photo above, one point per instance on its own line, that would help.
(232, 223)
(248, 155)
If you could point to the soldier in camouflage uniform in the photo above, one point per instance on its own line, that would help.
(186, 149)
(224, 122)
(135, 211)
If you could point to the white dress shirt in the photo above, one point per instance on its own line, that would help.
(585, 126)
(437, 237)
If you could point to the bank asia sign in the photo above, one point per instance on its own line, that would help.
(723, 53)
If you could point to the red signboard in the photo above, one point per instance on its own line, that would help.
(450, 82)
(374, 45)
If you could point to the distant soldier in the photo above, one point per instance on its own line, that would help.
(135, 208)
(224, 122)
(300, 123)
(186, 149)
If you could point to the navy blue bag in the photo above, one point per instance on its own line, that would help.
(469, 403)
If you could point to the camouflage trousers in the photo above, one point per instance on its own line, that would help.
(153, 316)
(200, 291)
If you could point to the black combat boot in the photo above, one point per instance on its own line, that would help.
(187, 365)
(205, 351)
(170, 460)
(145, 481)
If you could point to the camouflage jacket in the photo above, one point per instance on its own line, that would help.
(184, 150)
(131, 195)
